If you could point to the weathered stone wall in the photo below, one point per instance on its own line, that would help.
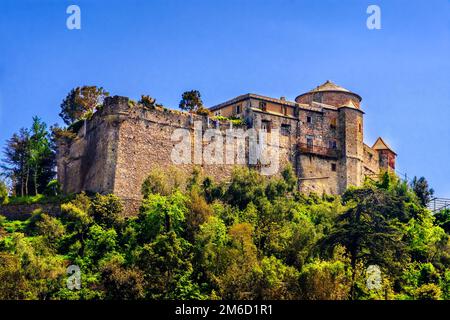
(88, 161)
(116, 150)
(145, 142)
(351, 134)
(331, 98)
(371, 161)
(24, 211)
(315, 175)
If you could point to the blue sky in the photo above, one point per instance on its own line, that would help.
(228, 47)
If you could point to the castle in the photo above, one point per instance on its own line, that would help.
(321, 135)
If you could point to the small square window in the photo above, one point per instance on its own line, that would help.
(265, 125)
(333, 123)
(285, 129)
(333, 167)
(309, 119)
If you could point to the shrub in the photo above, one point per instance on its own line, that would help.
(122, 283)
(53, 188)
(429, 291)
(51, 228)
(3, 193)
(106, 210)
(324, 280)
(162, 182)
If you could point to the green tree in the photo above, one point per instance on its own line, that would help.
(149, 102)
(163, 182)
(40, 153)
(442, 218)
(197, 213)
(191, 101)
(166, 262)
(3, 193)
(368, 231)
(121, 283)
(237, 281)
(30, 159)
(16, 161)
(161, 214)
(81, 103)
(276, 281)
(325, 280)
(51, 229)
(246, 186)
(422, 190)
(107, 210)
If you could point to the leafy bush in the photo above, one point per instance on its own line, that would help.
(428, 291)
(3, 193)
(252, 238)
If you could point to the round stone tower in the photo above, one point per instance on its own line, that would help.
(344, 107)
(331, 94)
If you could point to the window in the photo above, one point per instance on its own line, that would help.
(317, 97)
(359, 127)
(332, 144)
(333, 167)
(284, 110)
(333, 123)
(285, 129)
(265, 125)
(238, 109)
(309, 141)
(262, 105)
(308, 119)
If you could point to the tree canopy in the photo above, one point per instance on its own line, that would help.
(81, 103)
(191, 101)
(29, 159)
(252, 238)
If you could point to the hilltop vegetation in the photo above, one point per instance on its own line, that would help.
(254, 238)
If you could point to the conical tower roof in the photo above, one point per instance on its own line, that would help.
(329, 86)
(381, 145)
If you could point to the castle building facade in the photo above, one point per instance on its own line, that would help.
(324, 130)
(321, 135)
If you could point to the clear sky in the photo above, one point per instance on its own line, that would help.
(225, 48)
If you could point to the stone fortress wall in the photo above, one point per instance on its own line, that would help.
(321, 135)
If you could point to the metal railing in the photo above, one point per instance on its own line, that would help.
(439, 204)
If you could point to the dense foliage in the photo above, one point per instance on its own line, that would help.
(29, 159)
(253, 238)
(191, 101)
(81, 103)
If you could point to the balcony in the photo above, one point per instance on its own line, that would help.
(305, 148)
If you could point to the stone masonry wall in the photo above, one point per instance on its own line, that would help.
(116, 150)
(24, 211)
(145, 143)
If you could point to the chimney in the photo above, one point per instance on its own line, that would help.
(283, 98)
